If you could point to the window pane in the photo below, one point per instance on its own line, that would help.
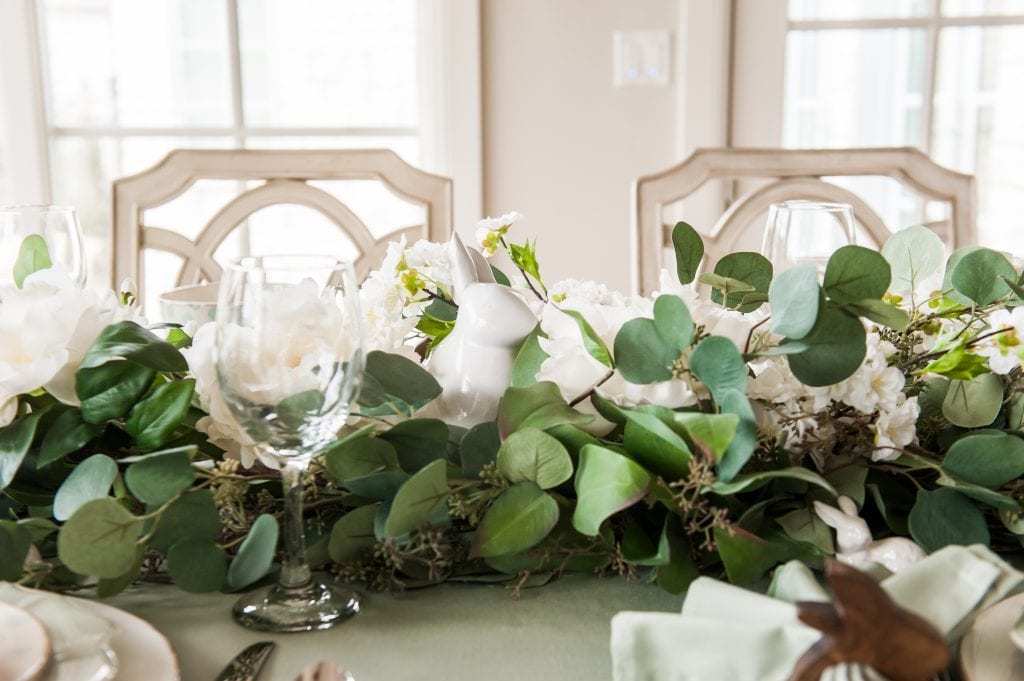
(982, 7)
(979, 106)
(137, 62)
(856, 9)
(322, 63)
(847, 88)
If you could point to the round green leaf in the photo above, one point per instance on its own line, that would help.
(479, 447)
(352, 535)
(719, 365)
(100, 539)
(358, 457)
(750, 268)
(974, 403)
(418, 442)
(944, 516)
(193, 515)
(794, 298)
(419, 499)
(979, 275)
(14, 546)
(914, 254)
(988, 459)
(647, 349)
(856, 273)
(255, 555)
(32, 257)
(837, 348)
(531, 454)
(517, 520)
(197, 565)
(159, 476)
(606, 482)
(91, 479)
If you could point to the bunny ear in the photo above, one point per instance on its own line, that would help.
(464, 270)
(483, 268)
(831, 516)
(848, 506)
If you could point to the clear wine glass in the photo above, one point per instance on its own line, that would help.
(806, 233)
(289, 360)
(58, 225)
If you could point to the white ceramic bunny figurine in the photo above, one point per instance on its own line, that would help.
(474, 363)
(854, 542)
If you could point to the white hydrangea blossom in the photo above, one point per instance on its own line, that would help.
(1004, 351)
(490, 231)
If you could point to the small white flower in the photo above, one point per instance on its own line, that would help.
(895, 429)
(490, 231)
(1004, 351)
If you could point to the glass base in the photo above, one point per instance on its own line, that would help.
(316, 605)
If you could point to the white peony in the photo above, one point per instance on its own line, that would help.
(47, 327)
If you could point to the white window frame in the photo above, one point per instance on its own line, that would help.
(449, 84)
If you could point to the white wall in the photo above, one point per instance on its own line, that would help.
(562, 145)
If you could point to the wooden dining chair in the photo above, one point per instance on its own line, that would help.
(783, 174)
(267, 178)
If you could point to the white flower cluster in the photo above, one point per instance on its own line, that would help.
(392, 296)
(490, 231)
(46, 328)
(1004, 351)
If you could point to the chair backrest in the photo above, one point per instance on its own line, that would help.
(791, 174)
(268, 178)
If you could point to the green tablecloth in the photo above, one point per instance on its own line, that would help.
(452, 632)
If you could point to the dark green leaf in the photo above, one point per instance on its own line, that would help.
(855, 273)
(418, 442)
(128, 340)
(838, 345)
(193, 515)
(981, 276)
(255, 555)
(382, 486)
(14, 546)
(479, 448)
(15, 440)
(656, 446)
(880, 312)
(197, 565)
(679, 573)
(943, 516)
(359, 456)
(395, 384)
(639, 549)
(152, 421)
(689, 248)
(109, 391)
(532, 455)
(67, 434)
(747, 557)
(989, 459)
(352, 537)
(419, 500)
(646, 350)
(751, 268)
(752, 481)
(156, 478)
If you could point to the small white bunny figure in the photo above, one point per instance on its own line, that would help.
(854, 542)
(474, 363)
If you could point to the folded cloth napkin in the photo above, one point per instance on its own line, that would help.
(726, 633)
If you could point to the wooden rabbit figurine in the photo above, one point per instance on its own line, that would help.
(864, 626)
(474, 363)
(854, 542)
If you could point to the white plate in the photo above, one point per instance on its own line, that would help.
(24, 646)
(143, 653)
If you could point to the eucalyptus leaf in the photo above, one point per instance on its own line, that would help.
(14, 547)
(99, 540)
(479, 447)
(751, 268)
(748, 557)
(108, 587)
(606, 483)
(540, 406)
(689, 249)
(714, 431)
(532, 455)
(989, 459)
(592, 342)
(752, 481)
(156, 478)
(794, 298)
(880, 312)
(193, 515)
(352, 536)
(517, 520)
(419, 500)
(395, 384)
(914, 254)
(680, 571)
(33, 255)
(838, 344)
(943, 516)
(656, 446)
(855, 273)
(418, 442)
(804, 525)
(528, 360)
(90, 479)
(359, 456)
(981, 275)
(647, 350)
(197, 565)
(255, 556)
(974, 403)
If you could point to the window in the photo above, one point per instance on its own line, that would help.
(942, 75)
(122, 82)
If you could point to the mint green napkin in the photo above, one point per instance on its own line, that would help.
(727, 633)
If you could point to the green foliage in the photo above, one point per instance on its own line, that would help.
(418, 442)
(14, 546)
(99, 539)
(606, 483)
(128, 340)
(647, 349)
(517, 520)
(255, 555)
(944, 516)
(974, 403)
(32, 257)
(795, 298)
(153, 421)
(837, 348)
(525, 258)
(352, 536)
(655, 445)
(989, 459)
(197, 565)
(67, 434)
(753, 269)
(419, 500)
(539, 406)
(156, 478)
(532, 455)
(914, 254)
(109, 391)
(591, 341)
(689, 248)
(981, 276)
(528, 360)
(395, 385)
(15, 440)
(855, 273)
(91, 479)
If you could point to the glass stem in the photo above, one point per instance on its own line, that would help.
(294, 569)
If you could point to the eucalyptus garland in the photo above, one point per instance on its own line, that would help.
(894, 379)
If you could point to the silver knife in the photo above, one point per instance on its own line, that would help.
(247, 664)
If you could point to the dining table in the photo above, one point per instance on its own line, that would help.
(447, 632)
